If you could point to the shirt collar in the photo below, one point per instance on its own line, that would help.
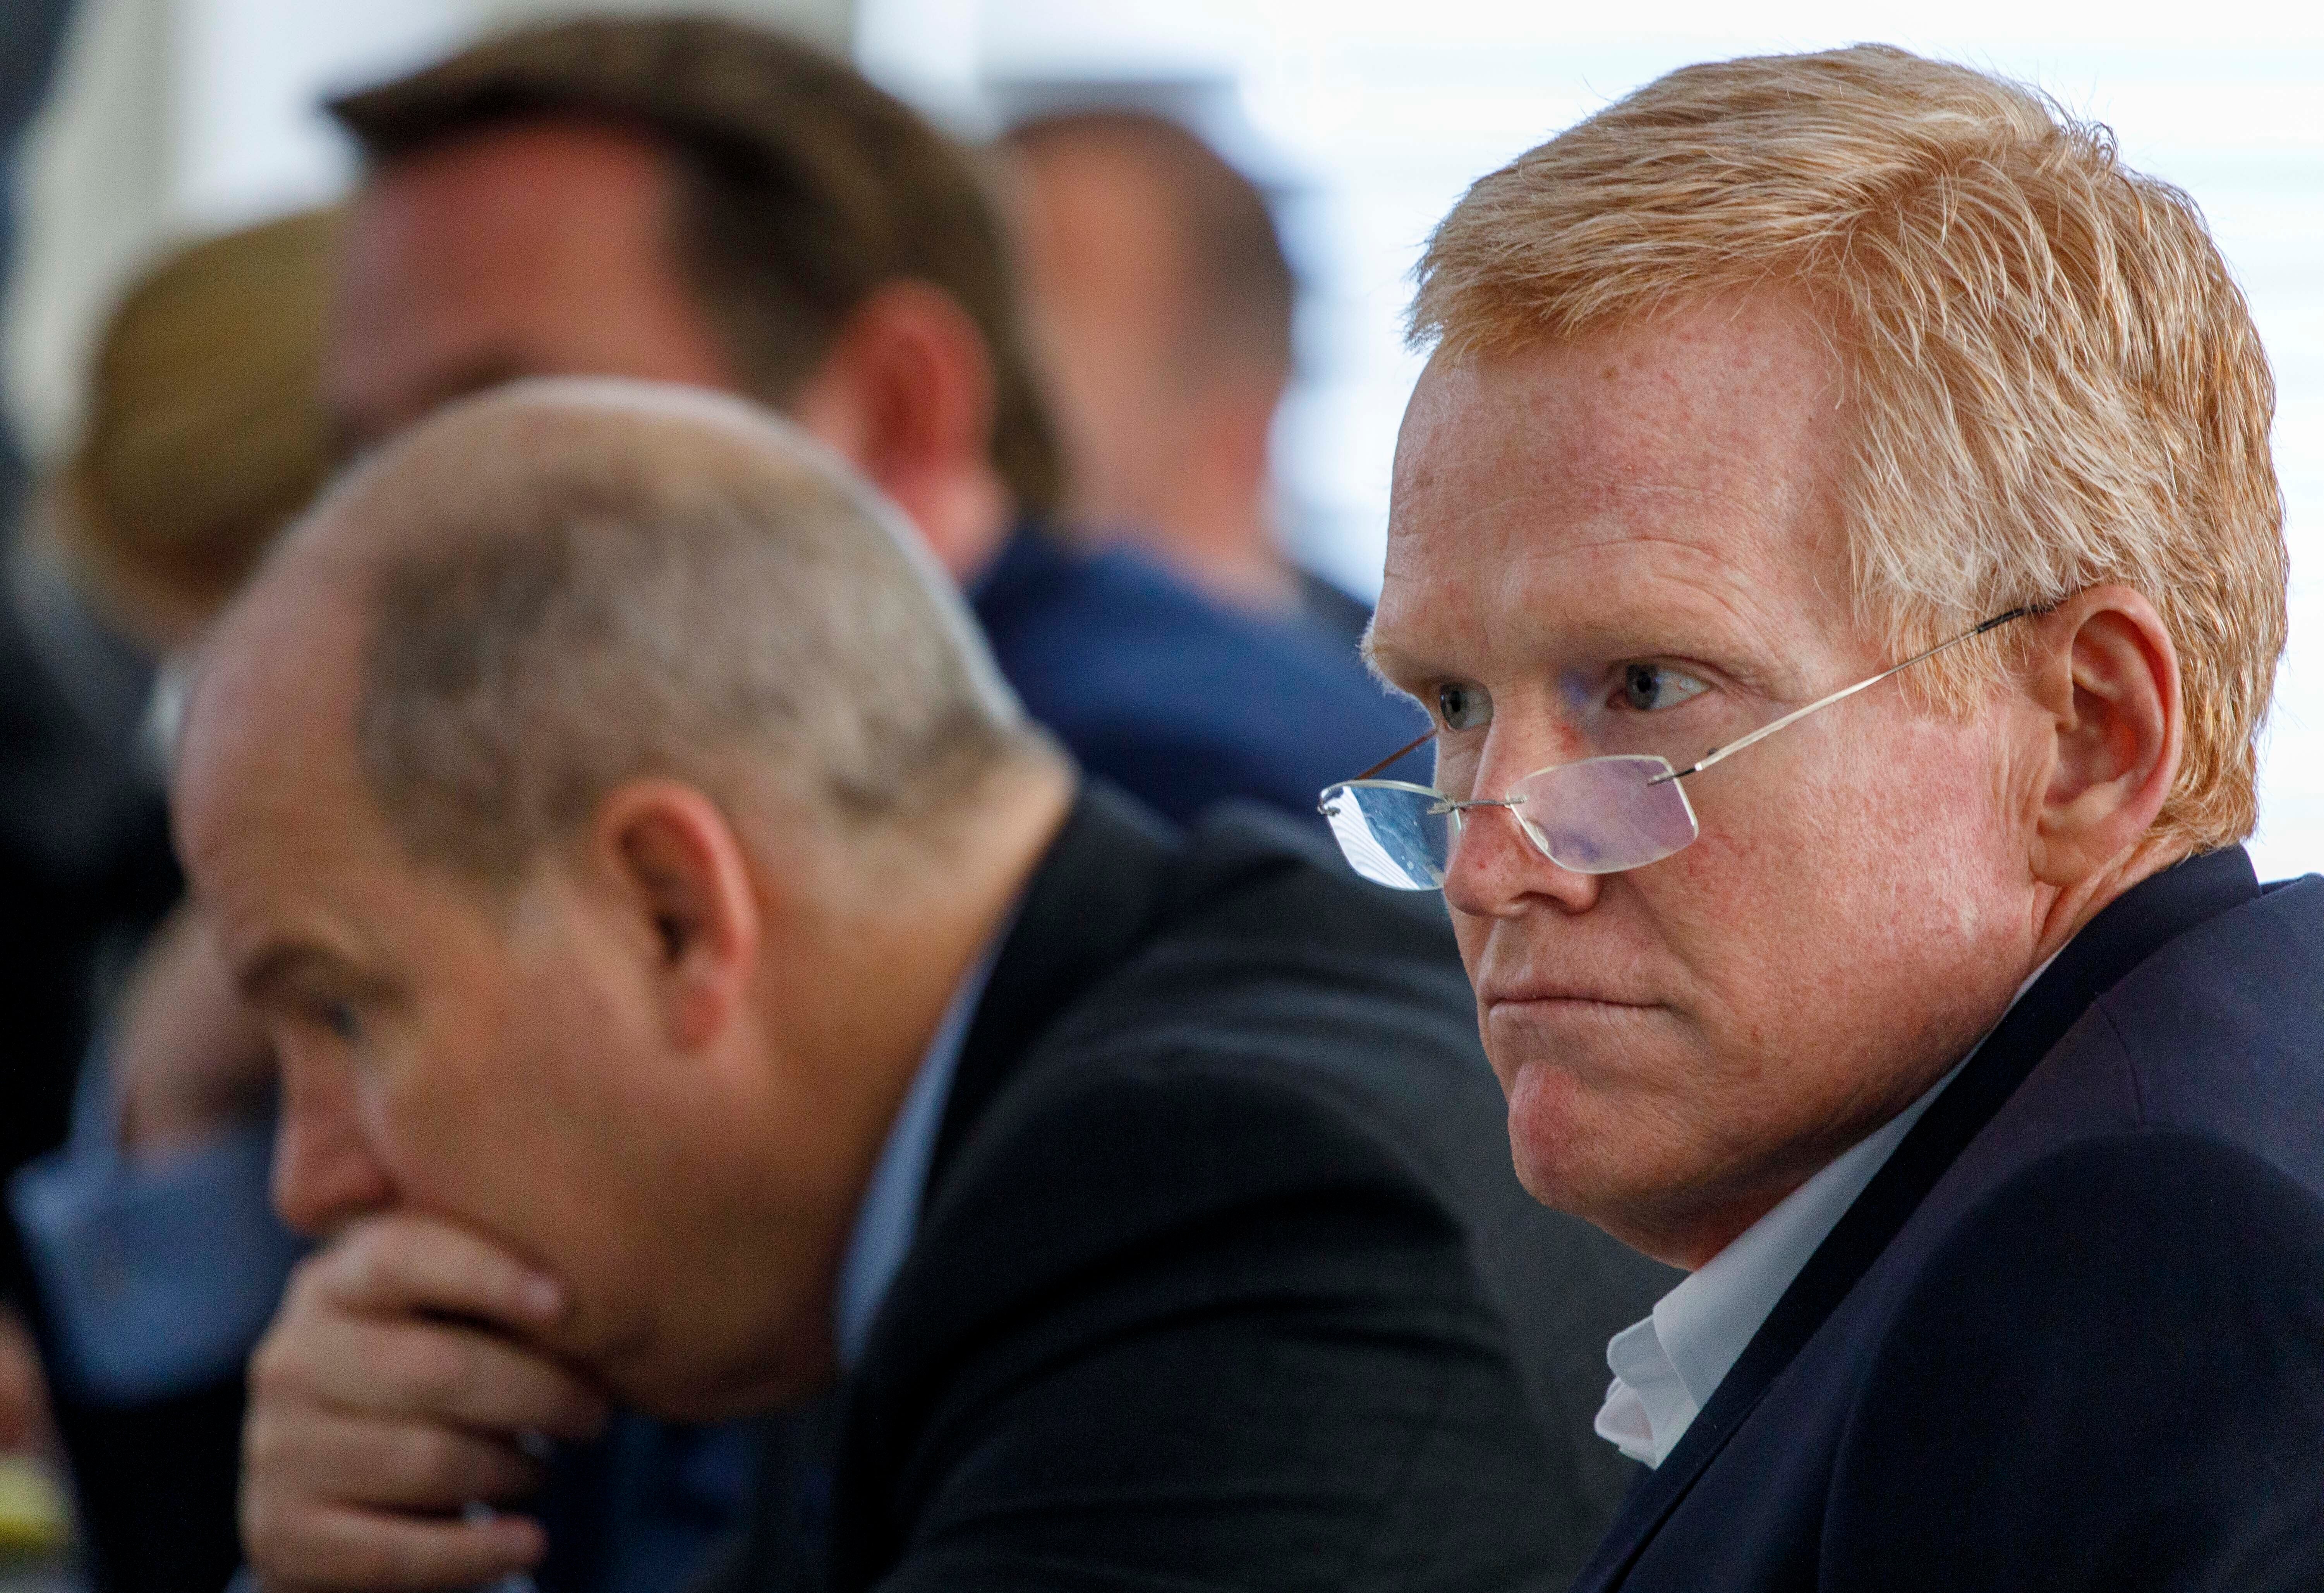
(1667, 1365)
(889, 1214)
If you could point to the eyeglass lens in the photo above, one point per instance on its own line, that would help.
(1597, 816)
(1604, 814)
(1393, 835)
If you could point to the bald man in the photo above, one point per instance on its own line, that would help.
(698, 984)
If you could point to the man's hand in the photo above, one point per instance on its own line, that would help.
(392, 1389)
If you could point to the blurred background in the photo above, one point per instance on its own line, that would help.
(160, 121)
(1362, 119)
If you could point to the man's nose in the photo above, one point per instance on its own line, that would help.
(325, 1171)
(1495, 871)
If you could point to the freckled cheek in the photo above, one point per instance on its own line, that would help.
(1745, 916)
(1786, 822)
(1817, 903)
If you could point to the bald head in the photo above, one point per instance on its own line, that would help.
(538, 594)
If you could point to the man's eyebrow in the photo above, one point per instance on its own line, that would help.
(1387, 661)
(276, 967)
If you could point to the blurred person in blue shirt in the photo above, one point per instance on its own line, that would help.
(1159, 302)
(697, 201)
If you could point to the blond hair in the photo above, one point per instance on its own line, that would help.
(206, 431)
(2055, 379)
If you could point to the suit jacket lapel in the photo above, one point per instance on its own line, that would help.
(1096, 896)
(1086, 908)
(2130, 929)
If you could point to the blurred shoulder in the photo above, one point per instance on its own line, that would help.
(1180, 700)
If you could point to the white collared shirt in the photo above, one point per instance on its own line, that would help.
(1667, 1366)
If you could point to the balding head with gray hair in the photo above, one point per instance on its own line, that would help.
(603, 799)
(573, 583)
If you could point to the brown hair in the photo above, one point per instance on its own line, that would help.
(1239, 287)
(206, 431)
(803, 186)
(2055, 378)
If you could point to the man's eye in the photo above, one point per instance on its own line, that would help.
(1649, 687)
(1463, 707)
(341, 1019)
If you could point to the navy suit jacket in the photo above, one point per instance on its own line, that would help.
(1175, 698)
(2072, 1335)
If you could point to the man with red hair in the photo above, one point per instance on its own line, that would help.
(1836, 538)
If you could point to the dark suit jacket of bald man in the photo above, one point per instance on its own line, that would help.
(1145, 682)
(1224, 1279)
(2071, 1336)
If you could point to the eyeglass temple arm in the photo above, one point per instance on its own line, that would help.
(1719, 754)
(1414, 745)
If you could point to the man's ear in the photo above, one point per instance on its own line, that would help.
(680, 872)
(2108, 678)
(907, 394)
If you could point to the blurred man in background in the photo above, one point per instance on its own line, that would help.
(696, 201)
(1160, 306)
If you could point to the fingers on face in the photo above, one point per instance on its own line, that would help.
(374, 1417)
(340, 1546)
(411, 1369)
(401, 1263)
(388, 1465)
